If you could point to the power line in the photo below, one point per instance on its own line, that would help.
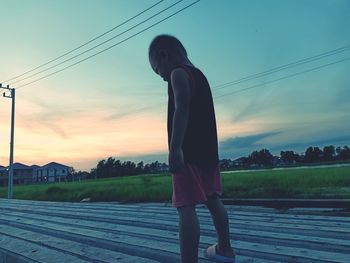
(96, 46)
(248, 88)
(250, 77)
(270, 71)
(86, 43)
(283, 67)
(116, 44)
(285, 77)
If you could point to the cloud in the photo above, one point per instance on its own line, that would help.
(245, 142)
(341, 96)
(41, 125)
(242, 146)
(256, 105)
(121, 114)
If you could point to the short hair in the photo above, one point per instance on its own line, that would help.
(168, 43)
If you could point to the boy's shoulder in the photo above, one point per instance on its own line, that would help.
(186, 71)
(180, 79)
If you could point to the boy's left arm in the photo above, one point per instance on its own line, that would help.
(182, 93)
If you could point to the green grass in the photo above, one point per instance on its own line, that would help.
(330, 182)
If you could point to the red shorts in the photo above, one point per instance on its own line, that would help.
(192, 185)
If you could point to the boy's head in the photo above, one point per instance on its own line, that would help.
(164, 53)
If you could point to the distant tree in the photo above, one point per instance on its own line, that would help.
(343, 154)
(245, 162)
(308, 158)
(262, 158)
(346, 151)
(154, 167)
(109, 167)
(129, 168)
(112, 167)
(289, 157)
(329, 153)
(253, 158)
(266, 157)
(146, 168)
(93, 173)
(318, 154)
(139, 168)
(118, 168)
(313, 154)
(80, 175)
(100, 169)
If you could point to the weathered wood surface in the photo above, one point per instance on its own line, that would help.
(50, 232)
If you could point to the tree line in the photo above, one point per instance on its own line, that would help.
(312, 155)
(112, 167)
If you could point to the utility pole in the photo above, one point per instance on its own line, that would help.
(10, 172)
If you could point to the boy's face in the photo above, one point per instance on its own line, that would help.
(161, 66)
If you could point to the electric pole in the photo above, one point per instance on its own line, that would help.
(10, 171)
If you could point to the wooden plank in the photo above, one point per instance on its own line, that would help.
(90, 252)
(339, 231)
(312, 242)
(35, 253)
(235, 215)
(233, 210)
(7, 256)
(273, 251)
(166, 223)
(104, 239)
(158, 207)
(258, 235)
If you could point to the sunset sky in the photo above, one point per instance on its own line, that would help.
(114, 104)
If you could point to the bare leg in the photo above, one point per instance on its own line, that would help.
(188, 234)
(220, 220)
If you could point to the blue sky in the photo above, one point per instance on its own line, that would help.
(114, 105)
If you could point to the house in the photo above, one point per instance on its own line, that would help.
(22, 174)
(35, 169)
(3, 175)
(240, 162)
(52, 172)
(2, 169)
(276, 161)
(225, 164)
(163, 167)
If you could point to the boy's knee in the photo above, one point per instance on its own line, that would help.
(188, 217)
(186, 209)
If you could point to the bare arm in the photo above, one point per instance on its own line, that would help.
(182, 93)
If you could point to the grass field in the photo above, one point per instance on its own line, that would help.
(330, 182)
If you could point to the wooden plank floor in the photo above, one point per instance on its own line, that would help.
(50, 232)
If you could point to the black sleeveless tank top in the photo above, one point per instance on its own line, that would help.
(200, 145)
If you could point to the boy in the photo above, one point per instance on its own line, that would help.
(193, 148)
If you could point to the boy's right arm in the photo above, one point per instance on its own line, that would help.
(180, 83)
